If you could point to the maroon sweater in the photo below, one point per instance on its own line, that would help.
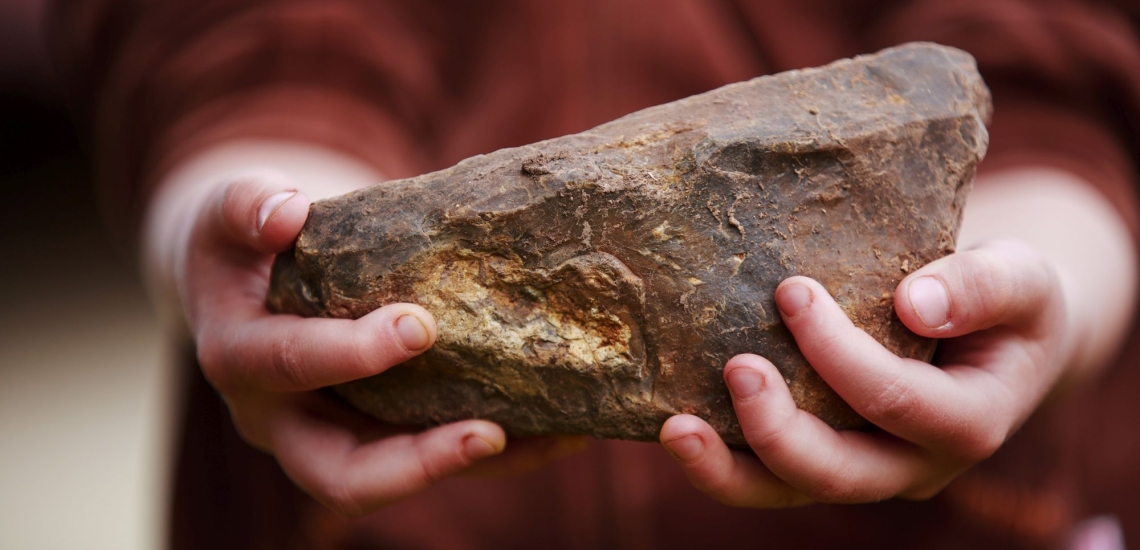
(411, 86)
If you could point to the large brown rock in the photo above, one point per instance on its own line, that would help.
(597, 283)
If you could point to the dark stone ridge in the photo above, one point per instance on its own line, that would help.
(597, 283)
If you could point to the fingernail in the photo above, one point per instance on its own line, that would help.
(412, 332)
(794, 298)
(930, 301)
(475, 447)
(744, 382)
(686, 448)
(270, 205)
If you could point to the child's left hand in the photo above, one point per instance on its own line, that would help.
(1001, 308)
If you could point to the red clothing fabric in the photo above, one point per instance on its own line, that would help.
(415, 86)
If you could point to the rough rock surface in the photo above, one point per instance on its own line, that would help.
(597, 283)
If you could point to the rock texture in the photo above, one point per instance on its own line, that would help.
(597, 283)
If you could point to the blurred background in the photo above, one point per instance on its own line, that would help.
(87, 394)
(84, 388)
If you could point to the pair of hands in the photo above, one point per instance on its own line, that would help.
(1001, 306)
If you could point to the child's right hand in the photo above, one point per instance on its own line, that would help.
(1038, 299)
(266, 365)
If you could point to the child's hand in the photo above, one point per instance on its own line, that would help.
(1002, 310)
(265, 365)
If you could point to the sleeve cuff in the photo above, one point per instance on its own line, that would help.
(1028, 133)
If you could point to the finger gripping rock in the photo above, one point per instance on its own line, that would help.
(597, 283)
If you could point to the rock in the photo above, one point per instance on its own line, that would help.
(597, 283)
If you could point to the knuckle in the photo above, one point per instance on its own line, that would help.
(770, 441)
(998, 275)
(375, 344)
(231, 205)
(435, 468)
(430, 473)
(1005, 277)
(833, 488)
(984, 289)
(285, 359)
(369, 352)
(893, 403)
(829, 346)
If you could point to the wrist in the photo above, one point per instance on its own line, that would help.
(1082, 237)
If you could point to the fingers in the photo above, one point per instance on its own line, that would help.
(939, 420)
(959, 409)
(260, 210)
(240, 344)
(801, 449)
(351, 476)
(224, 269)
(1000, 283)
(260, 361)
(801, 459)
(731, 477)
(286, 353)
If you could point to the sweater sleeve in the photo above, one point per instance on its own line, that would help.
(155, 81)
(160, 79)
(1064, 78)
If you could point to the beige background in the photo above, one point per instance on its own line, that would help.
(83, 401)
(85, 406)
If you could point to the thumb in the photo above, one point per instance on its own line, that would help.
(260, 209)
(1004, 283)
